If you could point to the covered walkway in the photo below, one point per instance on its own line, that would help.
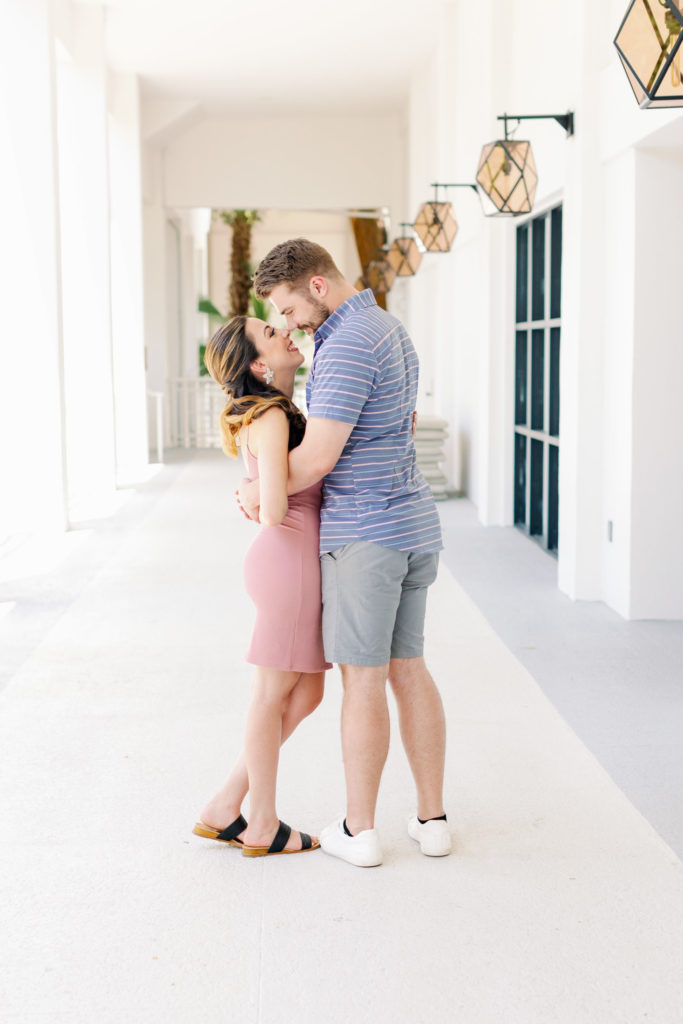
(124, 692)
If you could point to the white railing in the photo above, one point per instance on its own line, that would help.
(195, 403)
(157, 399)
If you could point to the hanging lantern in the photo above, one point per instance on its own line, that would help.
(404, 254)
(435, 225)
(649, 46)
(380, 274)
(507, 176)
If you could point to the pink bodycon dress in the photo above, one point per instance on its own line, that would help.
(282, 577)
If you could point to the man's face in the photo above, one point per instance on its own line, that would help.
(303, 312)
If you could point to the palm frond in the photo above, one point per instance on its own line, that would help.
(207, 306)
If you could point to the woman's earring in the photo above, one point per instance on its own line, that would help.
(269, 375)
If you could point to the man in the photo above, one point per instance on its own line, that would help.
(379, 538)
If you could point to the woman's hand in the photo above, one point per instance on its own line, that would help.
(248, 497)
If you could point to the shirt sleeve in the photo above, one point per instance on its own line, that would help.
(344, 376)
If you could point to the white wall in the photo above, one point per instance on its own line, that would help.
(287, 163)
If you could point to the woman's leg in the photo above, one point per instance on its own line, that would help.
(303, 698)
(262, 752)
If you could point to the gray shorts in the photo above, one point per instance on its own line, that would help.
(374, 601)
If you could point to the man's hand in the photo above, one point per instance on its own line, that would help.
(414, 424)
(248, 498)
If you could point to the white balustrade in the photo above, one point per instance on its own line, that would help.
(195, 404)
(157, 398)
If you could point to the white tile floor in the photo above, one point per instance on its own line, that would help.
(122, 708)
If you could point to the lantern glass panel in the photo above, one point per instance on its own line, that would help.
(436, 226)
(507, 176)
(649, 46)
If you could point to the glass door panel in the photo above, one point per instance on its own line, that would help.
(538, 292)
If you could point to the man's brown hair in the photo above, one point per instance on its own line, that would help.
(294, 263)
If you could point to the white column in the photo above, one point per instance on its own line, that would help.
(84, 210)
(612, 501)
(130, 402)
(32, 464)
(154, 236)
(656, 590)
(581, 472)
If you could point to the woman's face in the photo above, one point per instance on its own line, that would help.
(273, 345)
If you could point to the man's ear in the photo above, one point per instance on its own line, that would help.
(318, 287)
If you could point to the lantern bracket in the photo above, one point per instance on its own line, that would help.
(436, 185)
(566, 121)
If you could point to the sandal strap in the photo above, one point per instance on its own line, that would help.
(280, 841)
(232, 831)
(306, 841)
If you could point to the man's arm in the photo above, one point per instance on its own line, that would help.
(318, 453)
(313, 459)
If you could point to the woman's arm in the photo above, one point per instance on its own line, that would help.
(313, 459)
(269, 437)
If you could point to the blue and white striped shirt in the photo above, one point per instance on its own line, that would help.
(365, 372)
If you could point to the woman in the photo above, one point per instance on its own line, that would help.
(255, 364)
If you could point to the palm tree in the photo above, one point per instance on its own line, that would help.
(241, 222)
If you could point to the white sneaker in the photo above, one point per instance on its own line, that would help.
(434, 837)
(363, 849)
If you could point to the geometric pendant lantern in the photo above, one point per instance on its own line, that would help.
(649, 44)
(361, 283)
(507, 177)
(404, 254)
(436, 226)
(379, 274)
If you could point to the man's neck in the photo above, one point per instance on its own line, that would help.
(338, 294)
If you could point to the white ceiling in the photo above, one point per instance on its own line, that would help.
(272, 56)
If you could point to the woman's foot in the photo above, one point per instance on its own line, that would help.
(284, 840)
(227, 835)
(218, 815)
(258, 836)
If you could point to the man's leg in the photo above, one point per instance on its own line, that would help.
(423, 731)
(421, 716)
(361, 591)
(365, 741)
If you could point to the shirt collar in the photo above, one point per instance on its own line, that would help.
(351, 305)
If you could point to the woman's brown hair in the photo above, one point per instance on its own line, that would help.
(228, 358)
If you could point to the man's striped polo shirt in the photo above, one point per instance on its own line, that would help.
(365, 372)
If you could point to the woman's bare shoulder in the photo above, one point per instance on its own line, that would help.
(270, 427)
